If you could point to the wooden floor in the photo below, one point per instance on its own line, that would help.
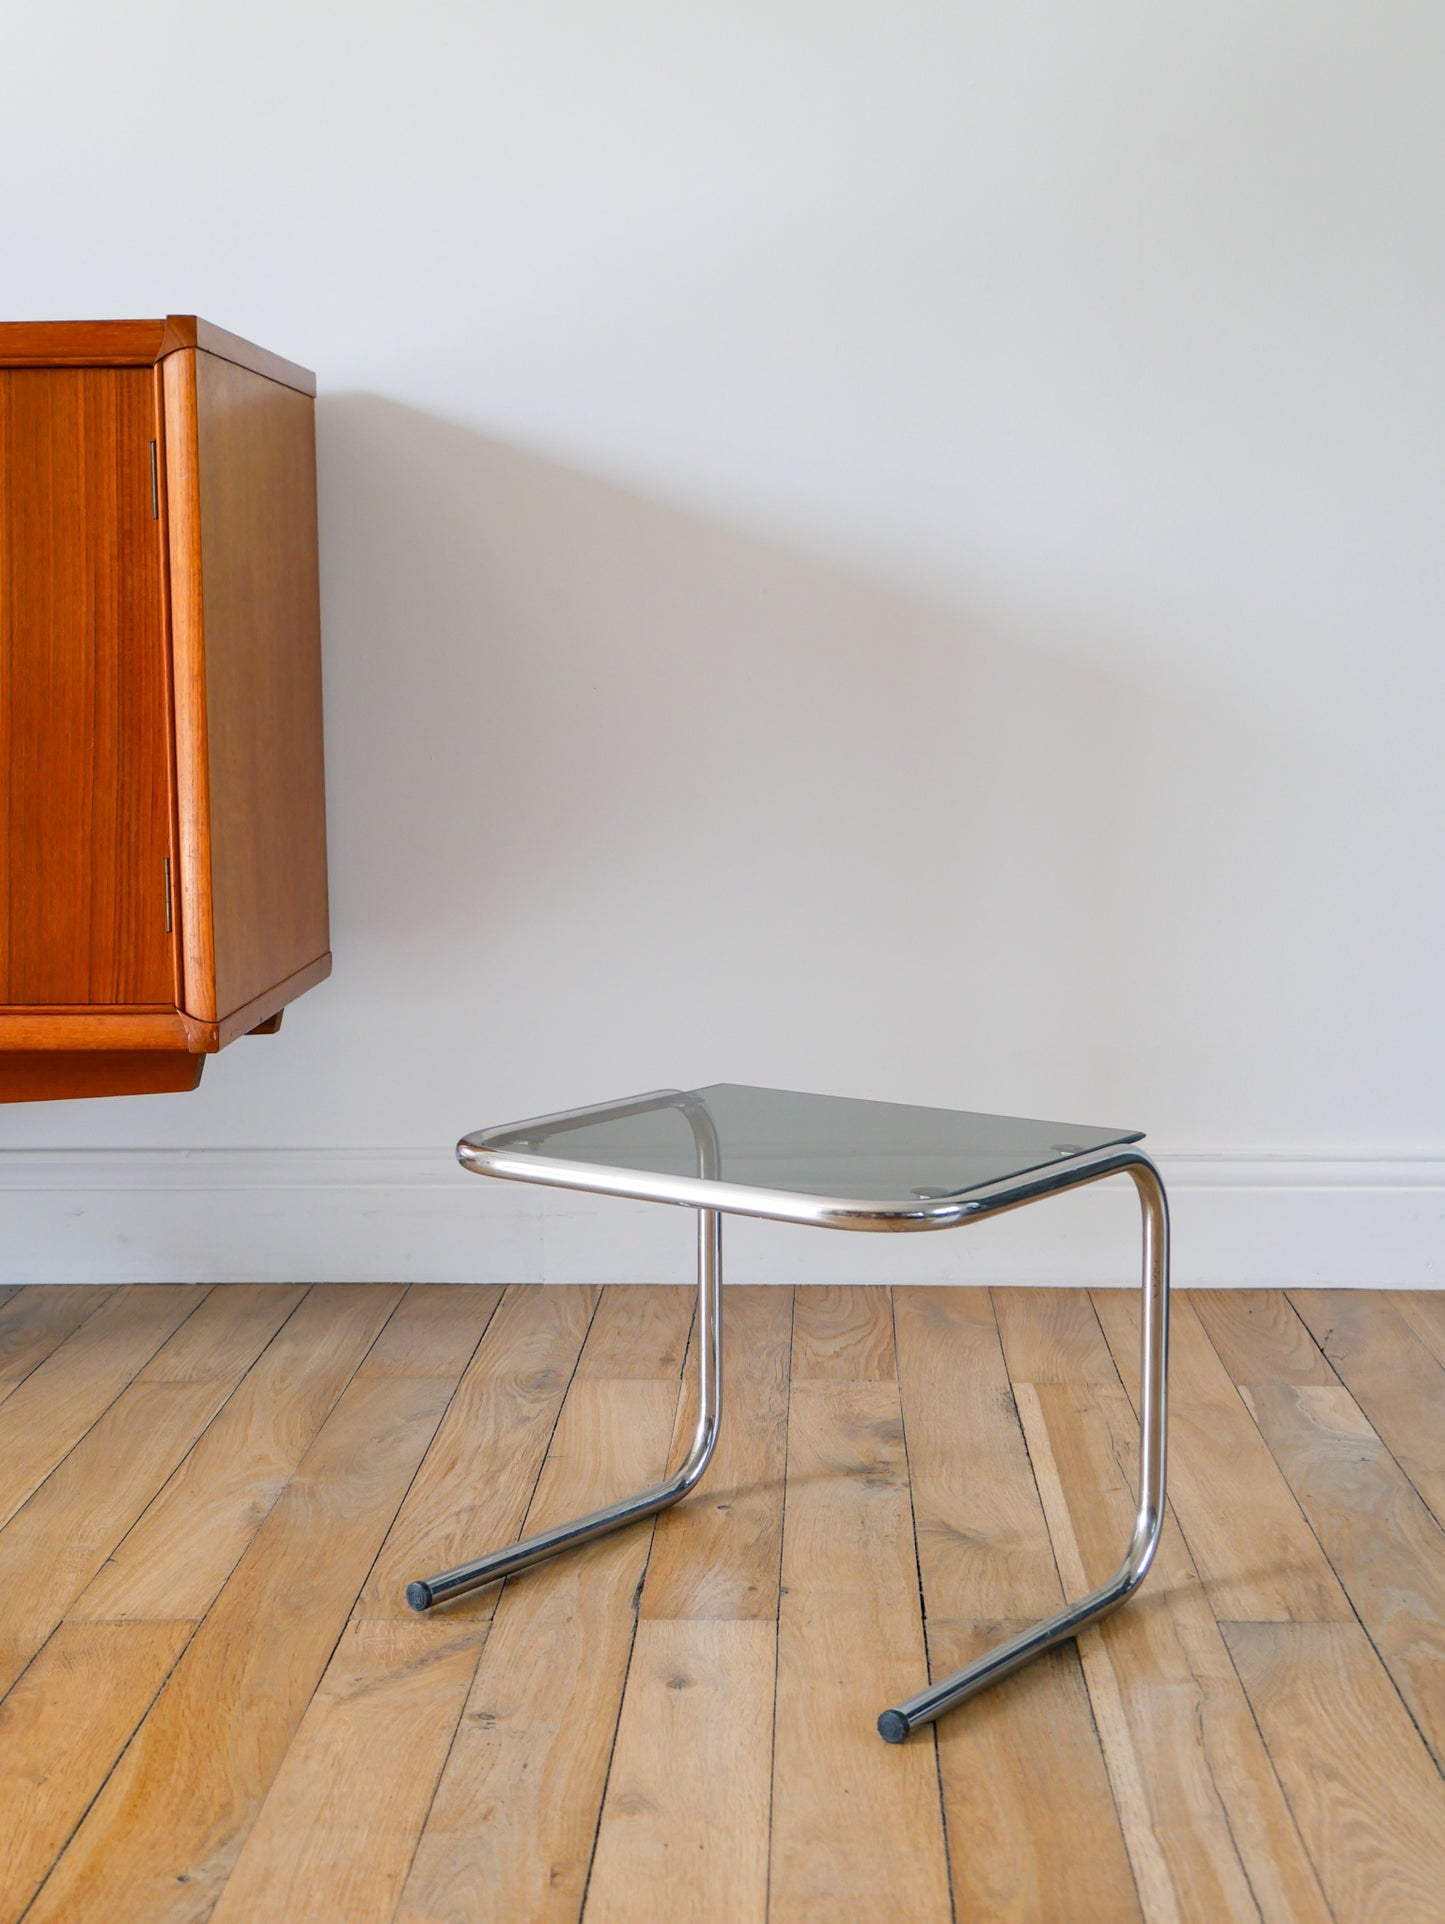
(217, 1705)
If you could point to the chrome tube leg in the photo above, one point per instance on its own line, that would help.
(894, 1725)
(430, 1591)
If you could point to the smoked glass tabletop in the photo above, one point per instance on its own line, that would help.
(783, 1148)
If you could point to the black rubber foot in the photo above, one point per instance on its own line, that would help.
(419, 1596)
(891, 1727)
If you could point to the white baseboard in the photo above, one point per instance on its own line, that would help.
(228, 1215)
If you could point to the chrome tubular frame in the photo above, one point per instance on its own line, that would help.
(894, 1725)
(512, 1153)
(423, 1594)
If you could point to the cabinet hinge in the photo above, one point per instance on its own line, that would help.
(155, 487)
(166, 866)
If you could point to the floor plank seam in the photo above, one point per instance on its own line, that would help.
(1437, 1763)
(1438, 1515)
(1182, 1752)
(421, 1461)
(182, 1461)
(778, 1605)
(101, 1414)
(115, 1765)
(632, 1642)
(404, 1876)
(102, 1297)
(1284, 1794)
(922, 1609)
(330, 1656)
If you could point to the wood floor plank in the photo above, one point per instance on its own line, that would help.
(1396, 1379)
(225, 1335)
(717, 1554)
(472, 1492)
(857, 1824)
(1370, 1806)
(687, 1808)
(1033, 1830)
(458, 1768)
(1208, 1831)
(57, 1403)
(983, 1545)
(336, 1835)
(161, 1839)
(61, 1730)
(1053, 1336)
(197, 1527)
(1258, 1557)
(35, 1320)
(1385, 1545)
(512, 1826)
(433, 1330)
(1424, 1311)
(54, 1544)
(640, 1330)
(843, 1335)
(1259, 1337)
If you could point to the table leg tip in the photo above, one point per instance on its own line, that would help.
(892, 1727)
(419, 1596)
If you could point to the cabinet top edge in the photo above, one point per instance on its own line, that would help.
(139, 344)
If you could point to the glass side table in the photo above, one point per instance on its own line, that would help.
(837, 1163)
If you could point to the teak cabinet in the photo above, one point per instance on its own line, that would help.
(162, 808)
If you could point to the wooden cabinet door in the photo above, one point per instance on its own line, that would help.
(84, 711)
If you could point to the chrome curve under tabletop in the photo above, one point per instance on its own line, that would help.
(837, 1163)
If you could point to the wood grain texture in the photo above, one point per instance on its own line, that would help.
(162, 1837)
(84, 728)
(717, 1554)
(1259, 1337)
(843, 1335)
(56, 1542)
(1396, 1379)
(180, 479)
(133, 1029)
(1053, 1336)
(1207, 1828)
(160, 702)
(638, 1333)
(255, 479)
(262, 1014)
(688, 1796)
(138, 344)
(189, 330)
(1371, 1809)
(80, 343)
(336, 1834)
(1257, 1555)
(1034, 1832)
(983, 1546)
(57, 1403)
(1388, 1549)
(199, 1523)
(60, 1735)
(479, 1477)
(512, 1826)
(857, 1828)
(433, 1331)
(36, 1320)
(275, 1751)
(1424, 1311)
(58, 1075)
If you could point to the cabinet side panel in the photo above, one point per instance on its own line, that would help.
(188, 667)
(256, 443)
(84, 727)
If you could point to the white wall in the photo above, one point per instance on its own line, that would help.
(893, 549)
